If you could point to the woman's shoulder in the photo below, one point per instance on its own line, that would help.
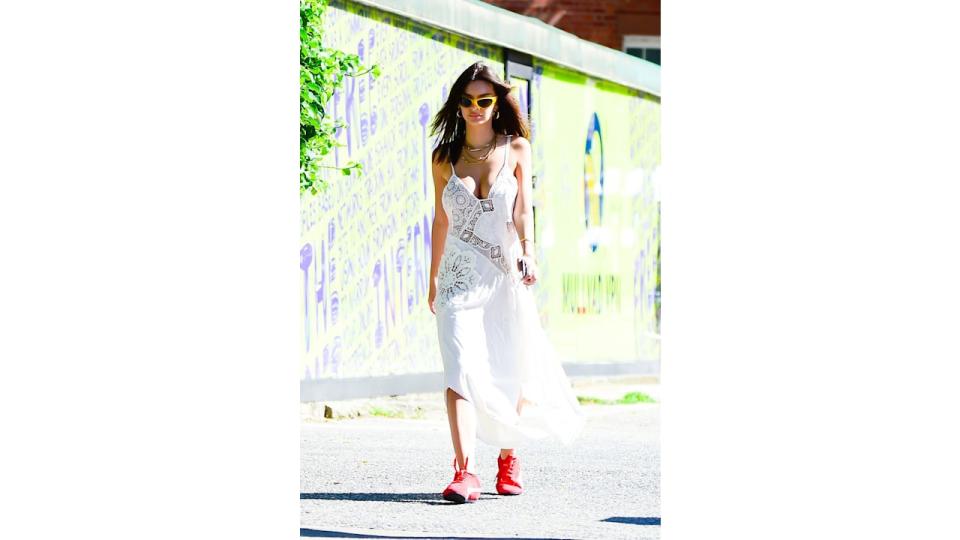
(519, 142)
(440, 158)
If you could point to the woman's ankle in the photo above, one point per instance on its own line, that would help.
(470, 466)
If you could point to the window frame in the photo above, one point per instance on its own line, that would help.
(637, 41)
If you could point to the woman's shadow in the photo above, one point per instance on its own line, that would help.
(422, 498)
(318, 533)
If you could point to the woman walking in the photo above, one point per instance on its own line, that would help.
(503, 381)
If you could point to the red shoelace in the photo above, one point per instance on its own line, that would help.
(458, 474)
(508, 468)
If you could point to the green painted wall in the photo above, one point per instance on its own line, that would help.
(597, 225)
(366, 241)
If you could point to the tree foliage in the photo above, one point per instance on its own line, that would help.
(322, 71)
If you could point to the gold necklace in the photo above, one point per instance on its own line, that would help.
(484, 146)
(478, 154)
(485, 153)
(481, 147)
(478, 151)
(472, 159)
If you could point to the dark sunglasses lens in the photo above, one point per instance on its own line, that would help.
(484, 103)
(464, 101)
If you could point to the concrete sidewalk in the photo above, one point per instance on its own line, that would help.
(374, 476)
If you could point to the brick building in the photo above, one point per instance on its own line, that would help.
(632, 26)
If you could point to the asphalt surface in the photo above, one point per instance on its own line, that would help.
(376, 477)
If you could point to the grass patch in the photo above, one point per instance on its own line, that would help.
(416, 414)
(636, 397)
(627, 399)
(587, 400)
(377, 411)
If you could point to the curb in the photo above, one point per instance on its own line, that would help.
(431, 406)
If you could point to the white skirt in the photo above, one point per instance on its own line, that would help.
(495, 352)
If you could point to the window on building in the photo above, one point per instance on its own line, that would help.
(646, 47)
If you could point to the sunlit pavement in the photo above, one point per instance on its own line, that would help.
(374, 477)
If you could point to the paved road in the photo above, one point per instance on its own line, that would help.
(382, 478)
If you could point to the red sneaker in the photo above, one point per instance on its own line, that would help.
(465, 486)
(508, 477)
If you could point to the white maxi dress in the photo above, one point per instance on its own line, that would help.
(493, 346)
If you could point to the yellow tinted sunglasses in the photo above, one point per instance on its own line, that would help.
(482, 102)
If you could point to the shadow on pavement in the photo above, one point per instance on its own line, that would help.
(422, 498)
(634, 520)
(315, 533)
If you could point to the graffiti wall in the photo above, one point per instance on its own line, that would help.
(365, 255)
(366, 241)
(596, 150)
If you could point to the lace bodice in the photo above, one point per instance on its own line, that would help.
(479, 229)
(486, 225)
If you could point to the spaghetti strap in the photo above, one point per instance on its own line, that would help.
(452, 171)
(506, 155)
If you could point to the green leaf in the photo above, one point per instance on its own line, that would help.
(322, 71)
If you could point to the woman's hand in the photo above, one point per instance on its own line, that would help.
(431, 297)
(531, 276)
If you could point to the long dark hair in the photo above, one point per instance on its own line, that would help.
(453, 129)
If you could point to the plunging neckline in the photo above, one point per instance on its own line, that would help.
(468, 190)
(503, 167)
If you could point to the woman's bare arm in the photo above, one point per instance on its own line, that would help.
(523, 210)
(438, 233)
